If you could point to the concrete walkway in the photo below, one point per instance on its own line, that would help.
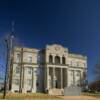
(79, 98)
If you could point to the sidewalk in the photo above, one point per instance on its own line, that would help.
(79, 98)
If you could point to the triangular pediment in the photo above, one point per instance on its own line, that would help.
(56, 48)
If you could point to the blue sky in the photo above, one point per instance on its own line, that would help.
(74, 24)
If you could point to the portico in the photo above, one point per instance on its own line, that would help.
(56, 77)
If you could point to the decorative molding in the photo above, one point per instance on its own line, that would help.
(25, 63)
(78, 56)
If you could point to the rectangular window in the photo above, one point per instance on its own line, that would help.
(17, 82)
(29, 82)
(29, 70)
(70, 63)
(30, 59)
(78, 73)
(84, 65)
(38, 59)
(71, 72)
(18, 57)
(77, 64)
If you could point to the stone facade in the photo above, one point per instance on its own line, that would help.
(46, 70)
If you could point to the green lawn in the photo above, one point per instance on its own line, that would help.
(29, 96)
(39, 96)
(92, 94)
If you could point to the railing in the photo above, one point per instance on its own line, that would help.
(57, 64)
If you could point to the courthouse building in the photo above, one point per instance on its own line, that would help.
(53, 67)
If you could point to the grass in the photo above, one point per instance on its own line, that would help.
(29, 96)
(39, 96)
(92, 94)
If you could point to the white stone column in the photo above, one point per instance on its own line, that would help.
(81, 72)
(35, 79)
(73, 77)
(53, 57)
(32, 79)
(60, 59)
(53, 77)
(47, 77)
(81, 77)
(23, 80)
(66, 77)
(61, 78)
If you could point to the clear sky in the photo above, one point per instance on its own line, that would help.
(74, 24)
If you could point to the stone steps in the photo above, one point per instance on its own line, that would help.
(56, 91)
(72, 91)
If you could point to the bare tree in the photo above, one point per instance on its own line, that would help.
(95, 85)
(97, 71)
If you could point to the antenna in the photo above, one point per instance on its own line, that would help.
(13, 27)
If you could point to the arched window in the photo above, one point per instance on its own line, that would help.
(50, 59)
(57, 60)
(63, 60)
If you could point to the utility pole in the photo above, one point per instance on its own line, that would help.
(9, 52)
(10, 66)
(21, 66)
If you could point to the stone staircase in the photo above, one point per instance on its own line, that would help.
(56, 91)
(72, 91)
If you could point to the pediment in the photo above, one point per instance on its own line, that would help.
(56, 47)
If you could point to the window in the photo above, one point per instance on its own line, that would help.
(78, 73)
(63, 60)
(17, 69)
(78, 82)
(50, 59)
(17, 82)
(38, 58)
(71, 72)
(77, 64)
(29, 82)
(29, 70)
(71, 82)
(57, 60)
(84, 65)
(70, 63)
(84, 75)
(30, 59)
(18, 57)
(74, 63)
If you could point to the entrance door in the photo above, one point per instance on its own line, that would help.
(56, 81)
